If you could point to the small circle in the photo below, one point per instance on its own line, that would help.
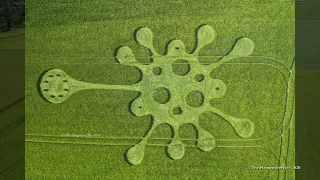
(218, 88)
(195, 99)
(157, 71)
(177, 48)
(199, 77)
(181, 67)
(161, 95)
(176, 111)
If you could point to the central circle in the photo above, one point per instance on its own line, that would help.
(56, 85)
(176, 111)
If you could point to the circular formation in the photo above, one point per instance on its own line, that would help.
(176, 111)
(157, 71)
(199, 77)
(181, 67)
(195, 99)
(217, 87)
(161, 95)
(186, 90)
(244, 127)
(176, 150)
(54, 86)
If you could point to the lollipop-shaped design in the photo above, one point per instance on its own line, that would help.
(186, 84)
(56, 86)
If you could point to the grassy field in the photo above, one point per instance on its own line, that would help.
(87, 135)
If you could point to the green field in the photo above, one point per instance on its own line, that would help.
(87, 135)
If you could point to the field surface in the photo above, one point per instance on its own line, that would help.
(90, 134)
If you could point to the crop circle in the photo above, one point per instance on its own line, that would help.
(195, 99)
(199, 77)
(161, 95)
(54, 86)
(176, 111)
(157, 71)
(181, 67)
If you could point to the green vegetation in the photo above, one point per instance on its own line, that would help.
(80, 38)
(186, 104)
